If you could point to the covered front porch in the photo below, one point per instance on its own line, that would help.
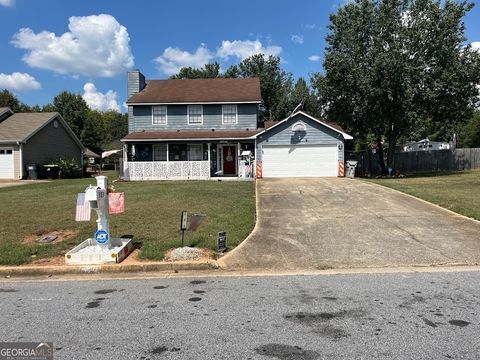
(188, 160)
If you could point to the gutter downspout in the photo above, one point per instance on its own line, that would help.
(21, 159)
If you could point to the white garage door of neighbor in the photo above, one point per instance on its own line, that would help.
(300, 160)
(6, 163)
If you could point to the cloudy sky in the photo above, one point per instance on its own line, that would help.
(87, 47)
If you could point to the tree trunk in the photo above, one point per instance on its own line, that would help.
(390, 153)
(380, 159)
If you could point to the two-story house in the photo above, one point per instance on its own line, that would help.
(203, 128)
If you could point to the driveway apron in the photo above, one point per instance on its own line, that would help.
(324, 223)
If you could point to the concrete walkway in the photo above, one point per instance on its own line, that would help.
(322, 223)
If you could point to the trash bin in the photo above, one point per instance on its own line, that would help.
(32, 171)
(351, 165)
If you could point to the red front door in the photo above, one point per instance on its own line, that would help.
(229, 160)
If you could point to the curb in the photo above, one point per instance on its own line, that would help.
(221, 261)
(106, 269)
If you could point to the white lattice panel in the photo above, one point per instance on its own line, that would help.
(166, 170)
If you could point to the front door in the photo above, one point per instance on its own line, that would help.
(229, 160)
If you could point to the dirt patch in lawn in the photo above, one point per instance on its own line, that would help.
(189, 253)
(56, 260)
(59, 235)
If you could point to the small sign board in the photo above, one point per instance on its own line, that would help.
(183, 221)
(222, 241)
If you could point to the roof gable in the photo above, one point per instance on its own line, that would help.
(20, 127)
(334, 127)
(188, 91)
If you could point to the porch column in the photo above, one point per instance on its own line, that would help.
(167, 152)
(239, 151)
(208, 158)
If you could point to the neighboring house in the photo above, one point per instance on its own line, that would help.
(203, 128)
(426, 144)
(34, 138)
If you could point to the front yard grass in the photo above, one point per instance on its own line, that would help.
(456, 191)
(152, 215)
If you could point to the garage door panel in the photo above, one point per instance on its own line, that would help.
(299, 161)
(6, 163)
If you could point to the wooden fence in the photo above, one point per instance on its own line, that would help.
(418, 161)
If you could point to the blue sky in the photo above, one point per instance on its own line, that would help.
(86, 47)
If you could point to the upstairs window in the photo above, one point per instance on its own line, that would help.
(159, 115)
(195, 114)
(229, 114)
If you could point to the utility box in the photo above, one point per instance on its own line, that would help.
(351, 166)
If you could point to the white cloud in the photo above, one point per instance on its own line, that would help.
(243, 49)
(476, 45)
(314, 58)
(309, 26)
(297, 39)
(96, 45)
(99, 101)
(7, 3)
(18, 82)
(173, 59)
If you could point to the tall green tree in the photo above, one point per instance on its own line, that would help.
(392, 66)
(302, 94)
(7, 99)
(73, 109)
(276, 84)
(208, 71)
(469, 135)
(93, 131)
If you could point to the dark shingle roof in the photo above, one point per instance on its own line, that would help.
(20, 126)
(199, 91)
(191, 135)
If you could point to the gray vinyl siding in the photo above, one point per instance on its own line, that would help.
(140, 118)
(316, 134)
(51, 144)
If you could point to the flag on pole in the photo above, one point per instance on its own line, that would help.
(116, 202)
(82, 211)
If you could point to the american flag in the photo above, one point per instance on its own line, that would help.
(82, 211)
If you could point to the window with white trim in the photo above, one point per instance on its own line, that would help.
(195, 114)
(160, 152)
(195, 152)
(229, 114)
(159, 115)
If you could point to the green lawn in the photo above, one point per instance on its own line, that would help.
(456, 191)
(152, 215)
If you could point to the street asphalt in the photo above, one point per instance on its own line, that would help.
(324, 223)
(357, 316)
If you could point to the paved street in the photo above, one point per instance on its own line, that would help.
(362, 316)
(322, 223)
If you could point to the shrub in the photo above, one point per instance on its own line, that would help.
(68, 168)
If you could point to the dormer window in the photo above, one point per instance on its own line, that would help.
(229, 114)
(195, 114)
(159, 115)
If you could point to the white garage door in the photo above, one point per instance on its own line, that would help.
(300, 160)
(6, 163)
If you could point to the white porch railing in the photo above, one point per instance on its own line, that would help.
(166, 170)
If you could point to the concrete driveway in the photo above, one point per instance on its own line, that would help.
(323, 223)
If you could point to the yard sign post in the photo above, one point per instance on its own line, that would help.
(183, 224)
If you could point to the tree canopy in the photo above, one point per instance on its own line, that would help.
(399, 67)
